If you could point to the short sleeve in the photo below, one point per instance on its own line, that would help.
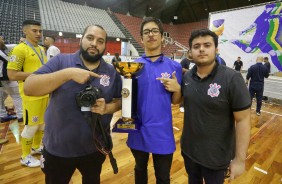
(16, 58)
(238, 93)
(51, 66)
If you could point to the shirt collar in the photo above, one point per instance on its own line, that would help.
(160, 59)
(213, 72)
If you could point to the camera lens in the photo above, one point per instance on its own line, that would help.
(88, 96)
(87, 100)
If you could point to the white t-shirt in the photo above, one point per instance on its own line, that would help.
(52, 51)
(5, 56)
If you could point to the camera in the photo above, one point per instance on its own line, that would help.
(88, 96)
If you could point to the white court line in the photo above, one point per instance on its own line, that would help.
(176, 128)
(272, 113)
(260, 170)
(269, 112)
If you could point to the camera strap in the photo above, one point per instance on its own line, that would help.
(102, 139)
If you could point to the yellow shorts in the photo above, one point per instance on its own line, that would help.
(33, 111)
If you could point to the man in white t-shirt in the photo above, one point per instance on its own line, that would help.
(52, 50)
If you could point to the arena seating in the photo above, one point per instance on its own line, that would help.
(13, 13)
(181, 34)
(68, 17)
(132, 24)
(178, 33)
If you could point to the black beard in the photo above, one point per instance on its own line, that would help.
(91, 59)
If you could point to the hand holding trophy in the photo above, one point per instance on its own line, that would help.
(129, 121)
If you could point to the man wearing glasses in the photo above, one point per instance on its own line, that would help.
(158, 87)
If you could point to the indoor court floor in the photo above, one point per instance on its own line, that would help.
(263, 163)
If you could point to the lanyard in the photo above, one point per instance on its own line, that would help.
(40, 58)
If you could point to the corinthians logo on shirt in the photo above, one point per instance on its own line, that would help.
(105, 80)
(213, 91)
(165, 75)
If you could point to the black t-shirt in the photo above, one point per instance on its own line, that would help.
(185, 63)
(116, 59)
(208, 136)
(238, 65)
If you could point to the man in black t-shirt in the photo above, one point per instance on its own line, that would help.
(238, 64)
(185, 63)
(216, 129)
(116, 58)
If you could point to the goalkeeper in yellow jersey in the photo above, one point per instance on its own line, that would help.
(24, 59)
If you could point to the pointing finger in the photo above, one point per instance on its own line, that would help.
(163, 79)
(95, 75)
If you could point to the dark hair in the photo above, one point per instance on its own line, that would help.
(85, 30)
(203, 32)
(52, 37)
(152, 19)
(266, 58)
(31, 22)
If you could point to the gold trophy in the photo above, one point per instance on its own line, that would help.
(129, 122)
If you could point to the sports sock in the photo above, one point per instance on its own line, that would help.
(37, 139)
(26, 146)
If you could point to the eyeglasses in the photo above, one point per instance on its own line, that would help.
(154, 31)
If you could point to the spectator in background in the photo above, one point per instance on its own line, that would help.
(8, 87)
(24, 59)
(108, 60)
(52, 50)
(257, 73)
(116, 58)
(220, 60)
(172, 56)
(185, 63)
(267, 64)
(238, 64)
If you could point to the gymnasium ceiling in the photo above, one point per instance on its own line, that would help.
(185, 10)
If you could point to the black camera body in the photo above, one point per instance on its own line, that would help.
(88, 96)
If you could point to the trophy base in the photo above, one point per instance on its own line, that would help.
(122, 126)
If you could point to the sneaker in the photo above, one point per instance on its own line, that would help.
(30, 161)
(258, 113)
(7, 118)
(181, 109)
(37, 151)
